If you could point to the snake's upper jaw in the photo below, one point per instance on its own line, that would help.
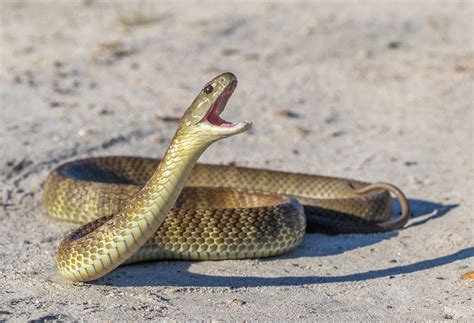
(213, 118)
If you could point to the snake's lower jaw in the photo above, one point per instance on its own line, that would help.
(228, 129)
(234, 128)
(242, 126)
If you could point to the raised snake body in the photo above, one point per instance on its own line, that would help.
(135, 210)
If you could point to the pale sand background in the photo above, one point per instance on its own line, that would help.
(378, 92)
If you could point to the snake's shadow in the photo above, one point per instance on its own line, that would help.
(176, 273)
(424, 211)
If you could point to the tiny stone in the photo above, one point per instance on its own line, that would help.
(104, 112)
(287, 114)
(82, 132)
(394, 44)
(337, 133)
(237, 301)
(468, 276)
(411, 163)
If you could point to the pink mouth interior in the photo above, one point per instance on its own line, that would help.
(213, 115)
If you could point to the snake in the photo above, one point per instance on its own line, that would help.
(139, 209)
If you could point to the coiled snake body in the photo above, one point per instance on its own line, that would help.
(136, 209)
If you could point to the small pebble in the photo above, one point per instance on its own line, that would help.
(468, 276)
(411, 163)
(287, 114)
(236, 301)
(394, 44)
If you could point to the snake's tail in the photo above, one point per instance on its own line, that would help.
(401, 220)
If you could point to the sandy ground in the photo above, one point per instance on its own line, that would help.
(373, 92)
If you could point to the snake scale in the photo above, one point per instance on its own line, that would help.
(137, 209)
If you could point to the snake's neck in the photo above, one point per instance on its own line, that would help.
(119, 237)
(161, 191)
(153, 202)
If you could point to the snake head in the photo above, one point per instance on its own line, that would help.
(204, 113)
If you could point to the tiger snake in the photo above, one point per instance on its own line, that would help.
(138, 209)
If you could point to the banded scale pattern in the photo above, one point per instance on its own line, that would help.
(101, 186)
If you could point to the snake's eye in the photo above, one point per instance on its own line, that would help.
(208, 89)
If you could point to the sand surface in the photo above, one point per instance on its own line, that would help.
(371, 91)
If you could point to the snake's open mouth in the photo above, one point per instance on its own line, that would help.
(213, 115)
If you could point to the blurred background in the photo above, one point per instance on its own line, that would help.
(345, 73)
